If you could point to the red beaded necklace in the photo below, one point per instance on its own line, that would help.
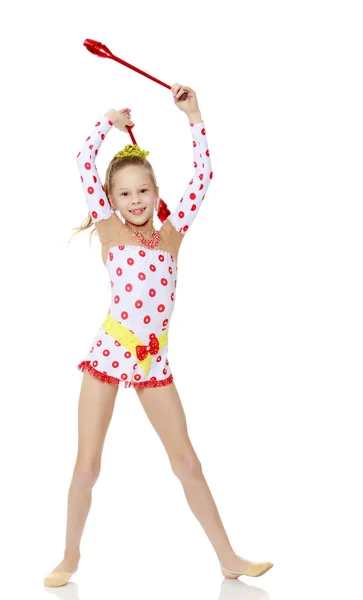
(148, 243)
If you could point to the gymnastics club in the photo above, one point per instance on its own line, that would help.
(101, 50)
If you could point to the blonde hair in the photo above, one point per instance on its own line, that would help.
(117, 163)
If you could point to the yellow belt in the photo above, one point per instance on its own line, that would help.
(130, 341)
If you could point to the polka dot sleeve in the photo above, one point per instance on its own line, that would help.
(98, 204)
(191, 201)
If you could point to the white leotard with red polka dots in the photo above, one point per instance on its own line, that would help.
(143, 280)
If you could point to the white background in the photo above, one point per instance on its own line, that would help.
(266, 338)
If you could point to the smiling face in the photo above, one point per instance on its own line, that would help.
(133, 189)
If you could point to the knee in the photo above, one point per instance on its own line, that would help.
(86, 474)
(186, 466)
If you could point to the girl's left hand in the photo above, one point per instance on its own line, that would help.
(120, 118)
(190, 104)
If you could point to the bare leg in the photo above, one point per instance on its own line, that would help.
(165, 412)
(96, 404)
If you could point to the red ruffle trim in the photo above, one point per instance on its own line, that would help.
(121, 382)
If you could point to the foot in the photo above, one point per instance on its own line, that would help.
(235, 563)
(68, 564)
(243, 566)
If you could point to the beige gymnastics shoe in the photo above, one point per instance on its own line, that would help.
(255, 569)
(55, 579)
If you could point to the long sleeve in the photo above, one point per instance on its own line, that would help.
(98, 204)
(191, 201)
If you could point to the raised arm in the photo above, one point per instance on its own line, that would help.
(191, 201)
(103, 215)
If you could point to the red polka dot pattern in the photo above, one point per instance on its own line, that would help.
(195, 192)
(98, 204)
(142, 299)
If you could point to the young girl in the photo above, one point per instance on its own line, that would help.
(131, 346)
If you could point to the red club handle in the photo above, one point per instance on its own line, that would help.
(129, 129)
(101, 50)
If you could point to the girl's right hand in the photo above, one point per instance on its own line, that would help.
(120, 118)
(190, 103)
